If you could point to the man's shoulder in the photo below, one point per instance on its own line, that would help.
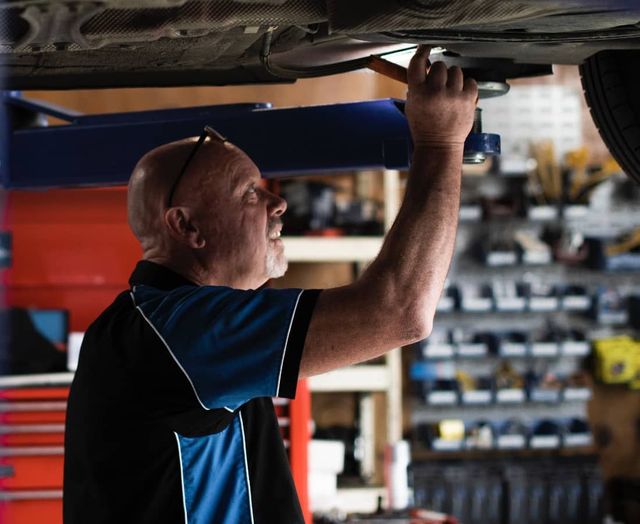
(121, 305)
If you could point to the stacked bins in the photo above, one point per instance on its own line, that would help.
(511, 491)
(472, 494)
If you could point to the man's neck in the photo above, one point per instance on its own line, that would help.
(198, 273)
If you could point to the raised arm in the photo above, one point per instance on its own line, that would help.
(394, 302)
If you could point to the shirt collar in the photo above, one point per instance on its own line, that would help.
(149, 273)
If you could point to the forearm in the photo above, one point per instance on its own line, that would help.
(413, 263)
(393, 303)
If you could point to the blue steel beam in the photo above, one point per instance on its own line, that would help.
(98, 150)
(101, 150)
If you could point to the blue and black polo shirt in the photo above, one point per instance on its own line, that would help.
(170, 417)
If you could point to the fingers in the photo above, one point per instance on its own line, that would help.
(455, 79)
(417, 70)
(471, 86)
(437, 76)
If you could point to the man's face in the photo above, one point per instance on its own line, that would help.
(241, 223)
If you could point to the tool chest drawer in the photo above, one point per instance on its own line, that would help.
(32, 454)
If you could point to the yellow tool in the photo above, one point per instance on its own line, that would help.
(548, 171)
(577, 160)
(631, 241)
(583, 183)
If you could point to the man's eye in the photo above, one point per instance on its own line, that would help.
(252, 189)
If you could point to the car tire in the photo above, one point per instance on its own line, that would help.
(611, 83)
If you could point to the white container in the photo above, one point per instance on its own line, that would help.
(510, 396)
(513, 349)
(73, 349)
(323, 490)
(544, 349)
(511, 441)
(545, 441)
(473, 349)
(326, 456)
(475, 397)
(442, 398)
(437, 351)
(397, 459)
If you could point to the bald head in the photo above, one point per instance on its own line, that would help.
(223, 225)
(157, 171)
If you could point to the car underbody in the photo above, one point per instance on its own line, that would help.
(47, 44)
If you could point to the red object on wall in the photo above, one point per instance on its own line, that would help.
(300, 434)
(72, 249)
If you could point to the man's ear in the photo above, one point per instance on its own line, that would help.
(182, 228)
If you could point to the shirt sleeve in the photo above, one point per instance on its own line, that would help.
(233, 345)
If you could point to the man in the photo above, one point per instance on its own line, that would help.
(170, 418)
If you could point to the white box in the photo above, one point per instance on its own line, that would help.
(323, 490)
(442, 398)
(513, 349)
(473, 349)
(511, 441)
(543, 303)
(544, 349)
(576, 302)
(578, 439)
(470, 213)
(445, 304)
(545, 395)
(577, 394)
(501, 258)
(544, 442)
(73, 349)
(542, 213)
(510, 303)
(479, 396)
(574, 212)
(438, 351)
(326, 456)
(440, 444)
(510, 396)
(476, 304)
(576, 348)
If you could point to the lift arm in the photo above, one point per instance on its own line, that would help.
(99, 150)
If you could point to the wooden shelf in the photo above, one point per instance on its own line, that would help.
(353, 378)
(360, 500)
(331, 249)
(430, 455)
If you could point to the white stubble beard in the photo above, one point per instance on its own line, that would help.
(276, 263)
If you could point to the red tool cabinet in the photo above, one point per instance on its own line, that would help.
(31, 454)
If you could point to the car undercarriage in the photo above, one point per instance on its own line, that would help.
(72, 44)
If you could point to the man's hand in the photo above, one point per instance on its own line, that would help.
(440, 103)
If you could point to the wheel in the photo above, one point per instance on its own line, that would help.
(611, 83)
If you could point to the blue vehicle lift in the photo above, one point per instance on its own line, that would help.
(100, 150)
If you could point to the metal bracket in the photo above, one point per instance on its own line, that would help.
(98, 150)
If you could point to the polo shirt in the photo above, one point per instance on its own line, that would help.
(170, 417)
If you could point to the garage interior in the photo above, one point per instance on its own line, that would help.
(523, 406)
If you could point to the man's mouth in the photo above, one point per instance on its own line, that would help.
(275, 230)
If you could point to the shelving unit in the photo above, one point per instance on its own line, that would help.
(366, 378)
(531, 316)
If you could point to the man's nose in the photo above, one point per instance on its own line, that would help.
(277, 205)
